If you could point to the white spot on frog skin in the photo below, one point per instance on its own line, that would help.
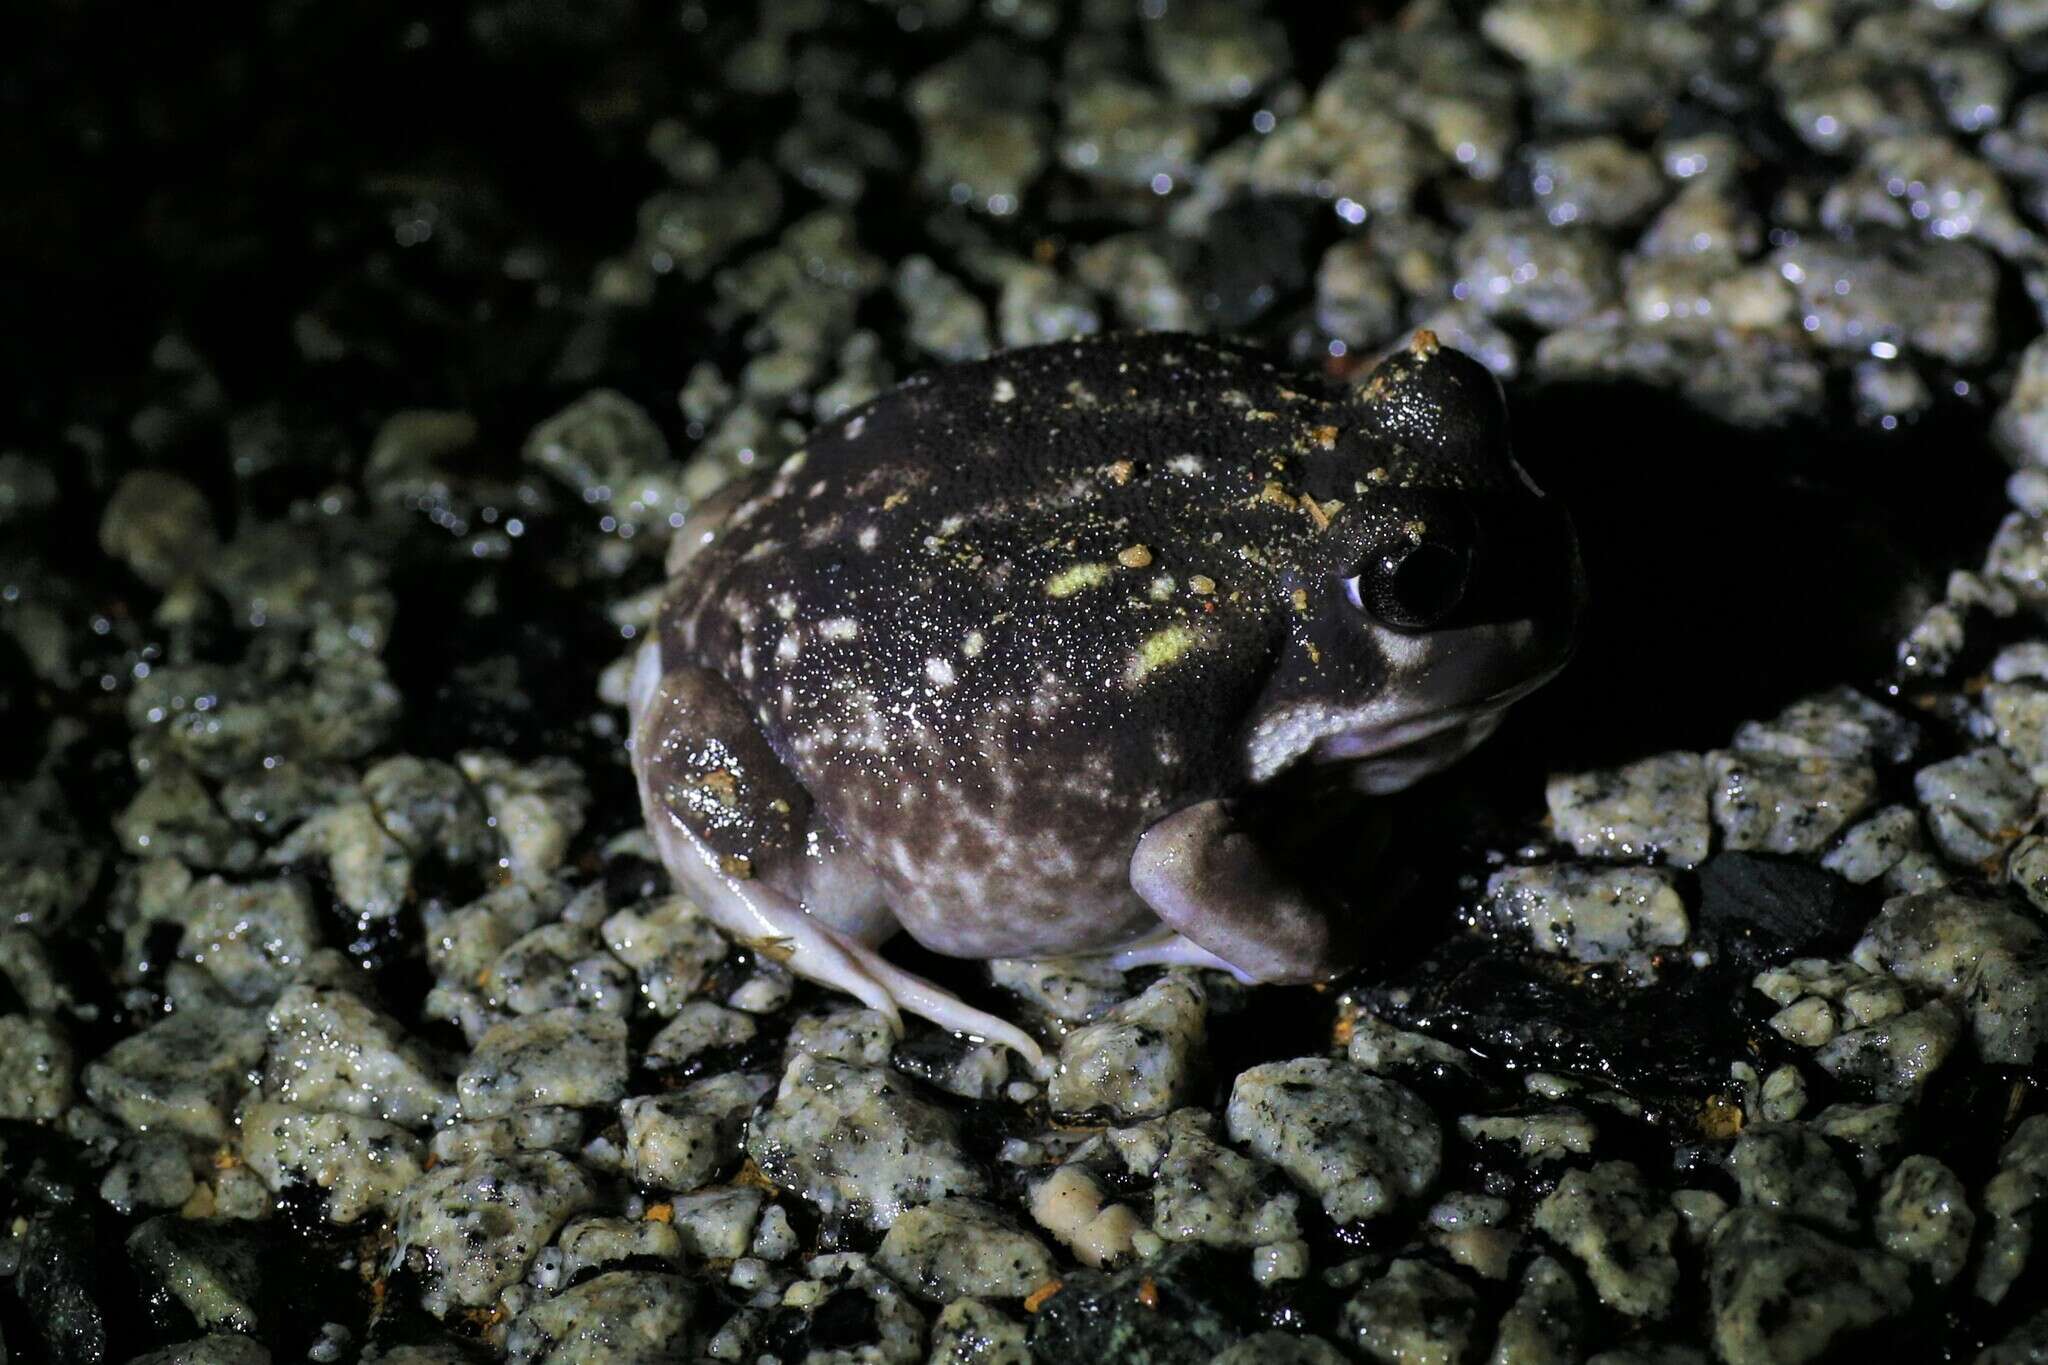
(869, 537)
(787, 649)
(939, 671)
(839, 628)
(972, 645)
(1189, 465)
(747, 660)
(856, 427)
(816, 490)
(951, 525)
(1005, 391)
(784, 605)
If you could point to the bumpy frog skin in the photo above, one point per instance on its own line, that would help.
(1074, 649)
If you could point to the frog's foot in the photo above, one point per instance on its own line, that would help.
(1206, 875)
(1169, 949)
(736, 831)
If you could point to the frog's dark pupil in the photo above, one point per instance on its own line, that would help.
(1419, 585)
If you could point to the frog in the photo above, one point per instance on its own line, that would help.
(1107, 648)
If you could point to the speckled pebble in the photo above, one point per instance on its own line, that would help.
(858, 1143)
(359, 1163)
(469, 1228)
(566, 1057)
(1415, 1314)
(680, 1140)
(953, 1248)
(1783, 1292)
(1142, 1058)
(1613, 1222)
(1361, 1144)
(2013, 1201)
(1654, 806)
(1924, 1216)
(1789, 1168)
(1989, 960)
(1589, 912)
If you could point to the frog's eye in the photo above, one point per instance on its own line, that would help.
(1412, 584)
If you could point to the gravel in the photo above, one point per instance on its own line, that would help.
(345, 1014)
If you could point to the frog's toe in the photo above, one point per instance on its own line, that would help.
(1204, 873)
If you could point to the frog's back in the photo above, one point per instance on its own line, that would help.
(1013, 609)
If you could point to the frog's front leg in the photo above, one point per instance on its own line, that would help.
(737, 831)
(1209, 877)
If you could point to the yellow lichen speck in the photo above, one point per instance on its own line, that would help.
(1161, 649)
(1076, 578)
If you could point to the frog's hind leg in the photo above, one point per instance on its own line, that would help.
(737, 831)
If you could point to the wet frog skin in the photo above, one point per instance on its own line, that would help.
(1063, 652)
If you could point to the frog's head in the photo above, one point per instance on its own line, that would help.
(1445, 586)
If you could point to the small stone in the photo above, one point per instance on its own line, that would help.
(970, 1332)
(1202, 1191)
(1621, 1231)
(2014, 1200)
(36, 1068)
(627, 1315)
(1517, 267)
(1076, 989)
(959, 1247)
(159, 526)
(671, 945)
(1547, 1321)
(1589, 912)
(215, 1272)
(1143, 1058)
(470, 1228)
(1872, 847)
(1789, 1168)
(699, 1027)
(1989, 960)
(1537, 1136)
(1415, 1314)
(1783, 1292)
(1377, 1046)
(360, 1163)
(329, 1050)
(557, 966)
(1773, 803)
(859, 1036)
(1807, 1022)
(721, 1223)
(1361, 1144)
(153, 1171)
(537, 809)
(1977, 804)
(183, 1074)
(594, 1243)
(1656, 806)
(681, 1140)
(571, 1058)
(946, 322)
(1601, 181)
(1924, 1216)
(1894, 1058)
(857, 1143)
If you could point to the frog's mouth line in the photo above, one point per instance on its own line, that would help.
(1387, 751)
